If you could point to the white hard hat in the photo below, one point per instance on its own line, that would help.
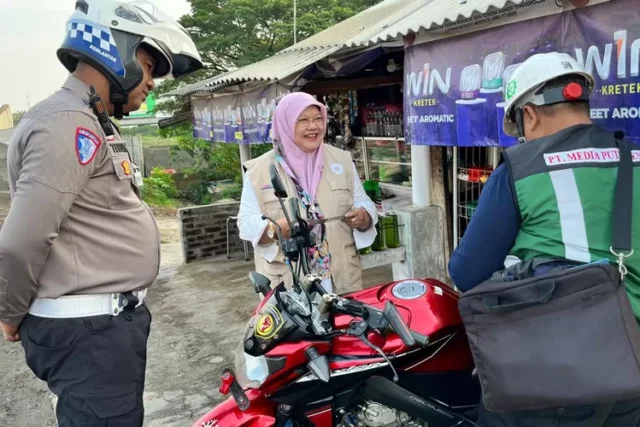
(524, 84)
(107, 33)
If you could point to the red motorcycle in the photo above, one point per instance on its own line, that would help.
(392, 355)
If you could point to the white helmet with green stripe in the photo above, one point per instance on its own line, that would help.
(524, 86)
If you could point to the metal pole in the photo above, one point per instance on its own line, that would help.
(455, 197)
(295, 16)
(495, 156)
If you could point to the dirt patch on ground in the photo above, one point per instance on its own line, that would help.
(169, 229)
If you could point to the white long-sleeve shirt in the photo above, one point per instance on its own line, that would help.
(252, 226)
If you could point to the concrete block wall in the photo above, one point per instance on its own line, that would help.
(203, 231)
(423, 238)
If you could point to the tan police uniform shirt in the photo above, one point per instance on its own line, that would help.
(76, 224)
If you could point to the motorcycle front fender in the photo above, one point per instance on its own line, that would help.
(261, 413)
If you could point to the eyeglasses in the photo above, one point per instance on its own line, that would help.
(304, 123)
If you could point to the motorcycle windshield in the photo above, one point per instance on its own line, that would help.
(251, 371)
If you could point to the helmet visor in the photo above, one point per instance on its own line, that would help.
(142, 12)
(171, 38)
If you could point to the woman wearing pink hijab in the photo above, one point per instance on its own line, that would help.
(325, 182)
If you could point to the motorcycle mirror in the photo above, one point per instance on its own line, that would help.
(276, 182)
(261, 284)
(318, 364)
(398, 324)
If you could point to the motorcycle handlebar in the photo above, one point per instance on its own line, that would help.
(357, 311)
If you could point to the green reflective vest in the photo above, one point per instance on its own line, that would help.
(564, 188)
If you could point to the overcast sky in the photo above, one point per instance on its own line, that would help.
(30, 33)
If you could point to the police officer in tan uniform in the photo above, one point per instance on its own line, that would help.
(79, 248)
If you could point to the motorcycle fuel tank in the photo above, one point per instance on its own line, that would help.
(428, 306)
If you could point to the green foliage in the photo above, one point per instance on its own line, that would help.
(198, 193)
(232, 192)
(259, 149)
(235, 33)
(159, 189)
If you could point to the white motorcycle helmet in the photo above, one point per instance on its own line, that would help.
(107, 33)
(524, 87)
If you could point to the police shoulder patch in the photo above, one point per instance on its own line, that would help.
(87, 144)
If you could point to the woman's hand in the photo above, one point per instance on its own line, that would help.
(284, 226)
(358, 218)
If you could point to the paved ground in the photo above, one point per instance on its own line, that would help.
(198, 311)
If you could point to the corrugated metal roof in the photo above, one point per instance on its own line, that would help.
(383, 22)
(438, 12)
(364, 28)
(209, 84)
(276, 67)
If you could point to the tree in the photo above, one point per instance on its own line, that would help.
(17, 116)
(234, 33)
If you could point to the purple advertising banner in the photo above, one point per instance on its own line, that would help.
(242, 119)
(202, 120)
(454, 88)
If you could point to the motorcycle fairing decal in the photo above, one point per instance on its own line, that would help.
(269, 322)
(350, 370)
(377, 365)
(446, 340)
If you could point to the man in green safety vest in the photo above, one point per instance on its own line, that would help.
(551, 198)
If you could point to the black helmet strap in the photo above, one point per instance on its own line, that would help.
(118, 99)
(519, 113)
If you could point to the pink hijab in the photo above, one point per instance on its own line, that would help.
(303, 166)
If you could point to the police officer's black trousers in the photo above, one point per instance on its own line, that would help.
(95, 365)
(620, 414)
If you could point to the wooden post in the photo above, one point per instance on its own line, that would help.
(439, 194)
